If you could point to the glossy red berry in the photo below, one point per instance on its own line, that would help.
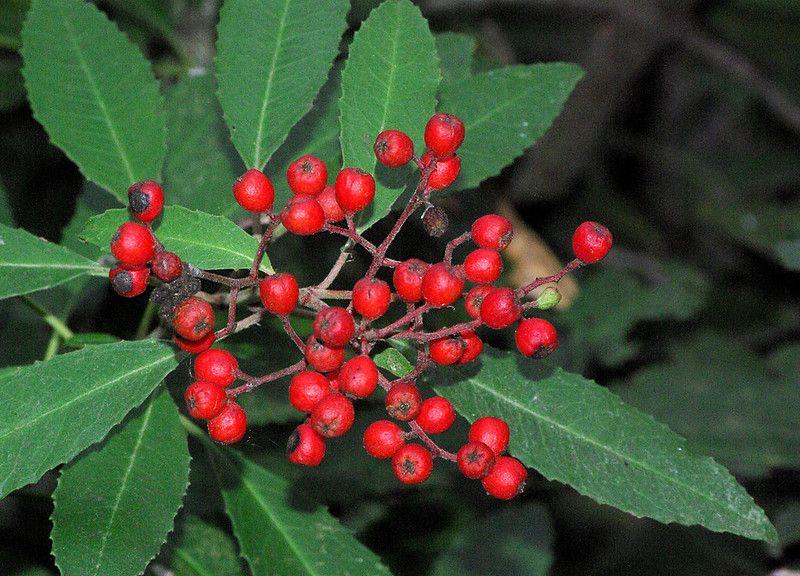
(473, 347)
(474, 299)
(448, 350)
(403, 401)
(253, 191)
(333, 212)
(371, 297)
(506, 479)
(146, 200)
(204, 400)
(279, 293)
(445, 173)
(358, 377)
(491, 431)
(321, 357)
(307, 175)
(442, 285)
(475, 460)
(303, 216)
(333, 380)
(483, 266)
(500, 308)
(307, 389)
(407, 279)
(355, 189)
(129, 283)
(383, 438)
(536, 338)
(305, 446)
(393, 148)
(194, 319)
(436, 415)
(167, 266)
(229, 425)
(444, 133)
(333, 415)
(195, 346)
(133, 245)
(492, 231)
(334, 326)
(412, 464)
(216, 366)
(591, 242)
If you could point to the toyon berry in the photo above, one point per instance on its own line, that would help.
(549, 298)
(334, 326)
(506, 479)
(492, 231)
(393, 148)
(371, 298)
(279, 293)
(483, 266)
(442, 285)
(474, 299)
(146, 200)
(403, 401)
(591, 242)
(305, 446)
(195, 346)
(333, 415)
(307, 176)
(330, 207)
(358, 377)
(436, 415)
(167, 266)
(475, 460)
(447, 350)
(129, 283)
(444, 133)
(303, 216)
(383, 438)
(254, 192)
(194, 319)
(229, 425)
(216, 366)
(473, 348)
(536, 338)
(307, 389)
(333, 380)
(133, 245)
(435, 221)
(407, 279)
(491, 431)
(412, 464)
(445, 172)
(321, 357)
(204, 400)
(355, 189)
(500, 308)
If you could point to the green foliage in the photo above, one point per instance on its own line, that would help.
(394, 362)
(201, 549)
(456, 52)
(6, 218)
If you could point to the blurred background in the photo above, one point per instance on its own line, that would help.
(683, 138)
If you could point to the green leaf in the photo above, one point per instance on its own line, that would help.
(723, 399)
(28, 263)
(574, 431)
(389, 82)
(6, 217)
(203, 550)
(504, 112)
(90, 339)
(19, 318)
(201, 164)
(210, 242)
(12, 87)
(279, 531)
(394, 362)
(52, 410)
(273, 56)
(456, 52)
(787, 521)
(116, 503)
(94, 93)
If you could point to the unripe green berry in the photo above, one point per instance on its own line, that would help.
(549, 298)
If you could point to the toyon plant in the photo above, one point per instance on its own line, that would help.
(354, 146)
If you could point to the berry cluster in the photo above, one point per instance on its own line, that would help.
(336, 367)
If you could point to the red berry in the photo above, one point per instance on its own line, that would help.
(194, 319)
(204, 399)
(129, 283)
(146, 199)
(475, 460)
(483, 266)
(305, 446)
(444, 133)
(442, 285)
(445, 173)
(333, 212)
(229, 425)
(195, 346)
(279, 293)
(491, 431)
(167, 266)
(436, 415)
(216, 366)
(133, 245)
(500, 308)
(321, 357)
(591, 242)
(303, 216)
(307, 389)
(412, 464)
(358, 377)
(333, 416)
(403, 401)
(333, 380)
(474, 299)
(536, 338)
(474, 347)
(383, 438)
(506, 479)
(407, 279)
(393, 148)
(448, 350)
(371, 297)
(492, 231)
(334, 326)
(307, 175)
(355, 189)
(253, 191)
